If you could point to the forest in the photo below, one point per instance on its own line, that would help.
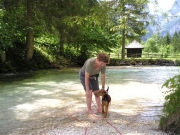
(43, 34)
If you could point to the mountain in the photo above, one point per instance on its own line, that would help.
(175, 8)
(169, 23)
(173, 25)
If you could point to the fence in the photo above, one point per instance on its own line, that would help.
(146, 55)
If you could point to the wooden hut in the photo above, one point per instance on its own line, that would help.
(134, 49)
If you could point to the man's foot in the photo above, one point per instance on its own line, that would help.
(99, 110)
(90, 111)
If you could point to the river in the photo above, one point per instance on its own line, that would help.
(38, 102)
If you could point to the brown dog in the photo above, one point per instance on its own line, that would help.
(106, 99)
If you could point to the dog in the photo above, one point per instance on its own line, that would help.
(106, 99)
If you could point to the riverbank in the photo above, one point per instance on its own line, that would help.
(144, 62)
(32, 65)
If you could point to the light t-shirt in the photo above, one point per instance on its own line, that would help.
(89, 67)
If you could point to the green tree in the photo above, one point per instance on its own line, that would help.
(176, 42)
(12, 26)
(22, 14)
(95, 32)
(57, 16)
(152, 45)
(131, 20)
(167, 39)
(48, 17)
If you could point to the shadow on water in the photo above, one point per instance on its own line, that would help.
(45, 75)
(23, 96)
(31, 101)
(11, 77)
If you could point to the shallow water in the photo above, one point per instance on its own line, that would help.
(156, 75)
(30, 102)
(114, 75)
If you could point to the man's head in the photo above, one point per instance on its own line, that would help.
(103, 57)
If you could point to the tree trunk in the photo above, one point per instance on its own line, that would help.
(3, 56)
(30, 33)
(123, 32)
(123, 45)
(61, 42)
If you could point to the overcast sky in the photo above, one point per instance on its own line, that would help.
(165, 5)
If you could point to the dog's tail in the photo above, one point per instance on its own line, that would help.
(107, 88)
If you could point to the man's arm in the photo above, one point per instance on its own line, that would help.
(87, 81)
(103, 80)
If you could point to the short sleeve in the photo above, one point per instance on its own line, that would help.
(103, 70)
(88, 66)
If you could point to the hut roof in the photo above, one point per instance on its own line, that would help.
(134, 44)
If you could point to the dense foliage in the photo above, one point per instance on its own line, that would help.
(164, 45)
(76, 30)
(170, 121)
(72, 30)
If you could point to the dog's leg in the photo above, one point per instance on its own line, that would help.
(106, 109)
(102, 106)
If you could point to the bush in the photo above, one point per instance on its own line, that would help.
(177, 62)
(170, 121)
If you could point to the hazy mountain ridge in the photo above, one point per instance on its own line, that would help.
(173, 25)
(169, 23)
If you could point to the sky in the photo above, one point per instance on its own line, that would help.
(165, 5)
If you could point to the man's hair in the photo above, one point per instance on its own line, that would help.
(103, 57)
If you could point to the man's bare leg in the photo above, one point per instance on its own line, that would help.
(88, 102)
(98, 102)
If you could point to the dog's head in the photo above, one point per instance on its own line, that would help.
(101, 92)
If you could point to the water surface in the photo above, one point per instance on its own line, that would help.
(34, 102)
(156, 75)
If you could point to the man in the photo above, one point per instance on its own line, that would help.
(89, 78)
